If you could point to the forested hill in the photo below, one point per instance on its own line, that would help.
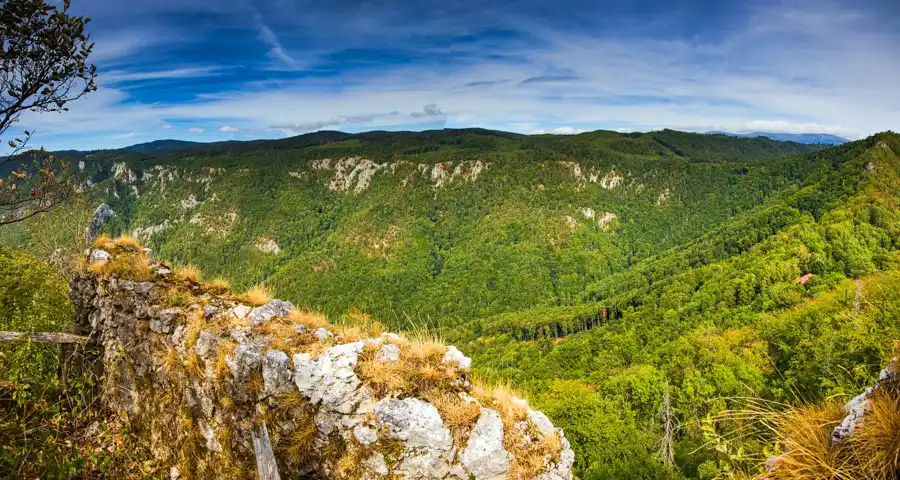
(603, 273)
(442, 225)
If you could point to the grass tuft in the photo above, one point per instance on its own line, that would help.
(876, 441)
(218, 285)
(311, 320)
(188, 273)
(258, 295)
(805, 434)
(127, 243)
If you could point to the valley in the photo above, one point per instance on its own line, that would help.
(603, 274)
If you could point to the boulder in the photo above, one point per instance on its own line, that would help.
(484, 456)
(274, 308)
(415, 422)
(276, 373)
(454, 356)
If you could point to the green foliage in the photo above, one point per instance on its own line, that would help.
(694, 284)
(32, 298)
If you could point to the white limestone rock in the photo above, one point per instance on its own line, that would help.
(243, 361)
(365, 435)
(274, 308)
(162, 321)
(453, 355)
(241, 311)
(388, 353)
(276, 373)
(484, 456)
(415, 422)
(561, 470)
(424, 464)
(99, 256)
(376, 465)
(856, 409)
(207, 431)
(322, 334)
(329, 380)
(541, 421)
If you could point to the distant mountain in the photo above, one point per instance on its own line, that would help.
(808, 138)
(161, 146)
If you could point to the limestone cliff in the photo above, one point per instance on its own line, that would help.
(221, 384)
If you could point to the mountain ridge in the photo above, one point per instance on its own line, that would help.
(809, 138)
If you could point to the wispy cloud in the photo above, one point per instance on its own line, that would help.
(548, 79)
(196, 130)
(334, 122)
(122, 76)
(487, 83)
(229, 129)
(276, 50)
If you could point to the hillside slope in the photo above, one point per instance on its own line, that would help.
(445, 225)
(609, 275)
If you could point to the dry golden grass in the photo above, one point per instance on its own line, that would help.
(383, 378)
(103, 241)
(258, 295)
(171, 360)
(218, 285)
(459, 415)
(311, 320)
(192, 328)
(188, 273)
(193, 363)
(224, 348)
(509, 403)
(805, 434)
(355, 326)
(530, 458)
(130, 265)
(426, 348)
(876, 442)
(301, 439)
(127, 242)
(348, 466)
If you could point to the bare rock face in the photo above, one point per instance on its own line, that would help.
(101, 215)
(249, 389)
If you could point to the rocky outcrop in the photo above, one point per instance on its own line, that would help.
(857, 408)
(220, 386)
(101, 215)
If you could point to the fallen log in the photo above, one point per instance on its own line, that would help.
(43, 337)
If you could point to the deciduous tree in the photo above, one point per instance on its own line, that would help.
(43, 66)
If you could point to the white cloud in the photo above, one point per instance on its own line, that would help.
(166, 127)
(195, 130)
(276, 50)
(119, 76)
(560, 131)
(229, 129)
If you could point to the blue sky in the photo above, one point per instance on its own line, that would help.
(208, 70)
